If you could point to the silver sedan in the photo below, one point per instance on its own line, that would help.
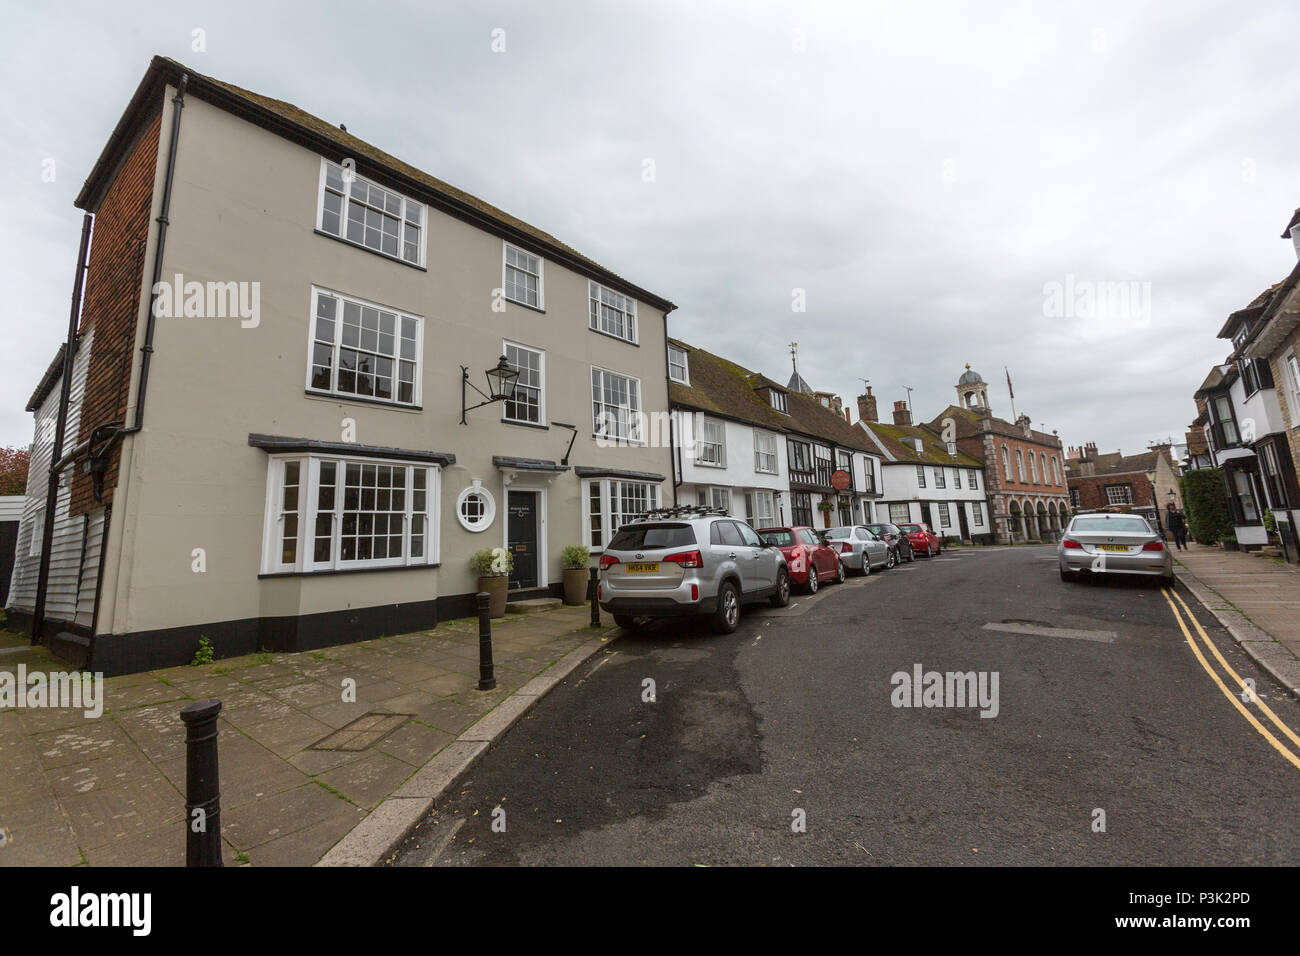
(859, 549)
(1105, 543)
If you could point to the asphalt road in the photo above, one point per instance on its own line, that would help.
(793, 713)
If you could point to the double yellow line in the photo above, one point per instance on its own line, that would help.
(1248, 692)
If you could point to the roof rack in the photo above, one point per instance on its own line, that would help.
(684, 511)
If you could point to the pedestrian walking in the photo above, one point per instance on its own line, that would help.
(1177, 524)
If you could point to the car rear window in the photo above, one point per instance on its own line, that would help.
(882, 529)
(1117, 525)
(640, 536)
(782, 539)
(839, 533)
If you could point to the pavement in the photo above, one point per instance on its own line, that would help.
(1118, 739)
(109, 791)
(1256, 598)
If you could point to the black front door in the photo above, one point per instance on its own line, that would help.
(522, 529)
(961, 519)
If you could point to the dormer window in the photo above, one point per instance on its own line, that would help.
(777, 400)
(677, 367)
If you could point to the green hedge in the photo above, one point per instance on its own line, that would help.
(1205, 500)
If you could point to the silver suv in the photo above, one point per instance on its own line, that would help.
(686, 561)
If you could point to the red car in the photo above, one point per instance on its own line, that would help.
(805, 551)
(924, 541)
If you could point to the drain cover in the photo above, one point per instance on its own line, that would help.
(366, 730)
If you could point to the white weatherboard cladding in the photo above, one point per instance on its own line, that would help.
(67, 573)
(738, 473)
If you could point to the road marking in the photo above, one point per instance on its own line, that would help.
(1187, 635)
(1235, 676)
(1101, 637)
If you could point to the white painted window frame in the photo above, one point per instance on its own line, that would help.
(684, 363)
(607, 487)
(506, 345)
(333, 390)
(540, 274)
(708, 425)
(596, 323)
(308, 495)
(760, 453)
(634, 411)
(342, 234)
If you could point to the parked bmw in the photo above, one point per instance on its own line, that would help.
(810, 559)
(922, 539)
(892, 535)
(689, 561)
(860, 550)
(1103, 543)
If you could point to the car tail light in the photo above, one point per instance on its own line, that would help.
(846, 548)
(687, 559)
(1070, 543)
(606, 560)
(695, 592)
(1153, 546)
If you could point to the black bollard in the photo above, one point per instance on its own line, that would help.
(592, 590)
(486, 675)
(202, 784)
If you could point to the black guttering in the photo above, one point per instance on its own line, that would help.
(276, 444)
(178, 104)
(526, 464)
(590, 472)
(161, 71)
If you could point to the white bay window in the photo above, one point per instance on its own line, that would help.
(610, 503)
(327, 513)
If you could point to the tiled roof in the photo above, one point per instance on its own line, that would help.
(968, 424)
(933, 451)
(727, 389)
(288, 120)
(1212, 381)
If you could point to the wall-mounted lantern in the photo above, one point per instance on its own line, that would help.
(501, 380)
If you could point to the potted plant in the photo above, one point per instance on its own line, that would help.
(494, 566)
(826, 505)
(575, 559)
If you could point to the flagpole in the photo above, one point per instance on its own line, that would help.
(1011, 393)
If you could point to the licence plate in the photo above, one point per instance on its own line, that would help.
(1113, 547)
(642, 568)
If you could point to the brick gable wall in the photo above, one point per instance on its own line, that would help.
(112, 302)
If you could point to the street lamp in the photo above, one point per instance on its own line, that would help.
(501, 379)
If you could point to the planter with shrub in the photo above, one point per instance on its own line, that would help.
(494, 566)
(575, 560)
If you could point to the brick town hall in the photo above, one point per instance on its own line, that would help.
(1024, 469)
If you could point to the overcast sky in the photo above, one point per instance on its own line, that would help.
(921, 171)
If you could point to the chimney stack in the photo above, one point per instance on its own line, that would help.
(867, 406)
(1090, 449)
(902, 414)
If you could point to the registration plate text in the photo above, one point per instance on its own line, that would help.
(642, 568)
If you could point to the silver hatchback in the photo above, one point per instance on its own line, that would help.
(1106, 543)
(685, 562)
(860, 550)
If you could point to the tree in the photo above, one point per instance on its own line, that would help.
(13, 470)
(1206, 501)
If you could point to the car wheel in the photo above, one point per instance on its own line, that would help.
(782, 596)
(813, 582)
(841, 576)
(1169, 582)
(893, 560)
(626, 621)
(929, 551)
(866, 563)
(911, 554)
(727, 617)
(1066, 576)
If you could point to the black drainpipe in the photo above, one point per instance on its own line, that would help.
(178, 103)
(60, 427)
